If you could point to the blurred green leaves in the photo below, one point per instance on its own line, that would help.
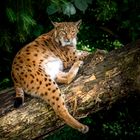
(11, 15)
(52, 8)
(105, 10)
(81, 4)
(66, 7)
(26, 23)
(69, 9)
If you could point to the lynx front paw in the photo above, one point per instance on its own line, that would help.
(85, 54)
(78, 63)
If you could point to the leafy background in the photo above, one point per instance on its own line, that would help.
(106, 24)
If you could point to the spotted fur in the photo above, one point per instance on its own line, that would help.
(39, 65)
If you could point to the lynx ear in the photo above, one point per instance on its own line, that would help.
(55, 24)
(78, 23)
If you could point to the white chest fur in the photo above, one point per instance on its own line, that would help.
(52, 66)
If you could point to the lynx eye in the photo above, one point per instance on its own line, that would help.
(73, 31)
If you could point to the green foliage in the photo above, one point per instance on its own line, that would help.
(81, 4)
(20, 16)
(106, 10)
(4, 83)
(26, 22)
(67, 7)
(11, 15)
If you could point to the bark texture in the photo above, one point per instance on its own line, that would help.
(103, 80)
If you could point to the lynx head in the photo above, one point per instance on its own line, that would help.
(66, 32)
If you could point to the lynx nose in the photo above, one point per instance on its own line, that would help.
(67, 40)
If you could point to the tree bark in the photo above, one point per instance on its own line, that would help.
(102, 81)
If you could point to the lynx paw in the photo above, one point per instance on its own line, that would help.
(18, 102)
(78, 63)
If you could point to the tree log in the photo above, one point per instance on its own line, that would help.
(102, 81)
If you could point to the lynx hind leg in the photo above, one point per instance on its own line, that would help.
(53, 96)
(19, 99)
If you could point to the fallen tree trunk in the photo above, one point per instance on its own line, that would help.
(102, 81)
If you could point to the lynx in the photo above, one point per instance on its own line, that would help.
(40, 65)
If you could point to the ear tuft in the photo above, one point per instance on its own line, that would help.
(78, 23)
(55, 24)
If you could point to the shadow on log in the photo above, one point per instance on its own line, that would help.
(102, 81)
